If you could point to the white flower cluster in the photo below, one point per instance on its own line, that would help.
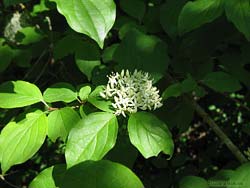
(131, 91)
(13, 27)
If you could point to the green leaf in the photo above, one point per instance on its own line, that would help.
(84, 92)
(169, 16)
(48, 177)
(60, 92)
(60, 123)
(142, 52)
(87, 59)
(100, 103)
(6, 55)
(100, 174)
(241, 177)
(134, 8)
(108, 53)
(149, 134)
(44, 179)
(173, 90)
(92, 138)
(193, 181)
(238, 12)
(196, 13)
(41, 7)
(20, 94)
(20, 141)
(91, 17)
(177, 113)
(28, 35)
(222, 82)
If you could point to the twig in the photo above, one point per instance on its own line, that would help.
(224, 138)
(8, 183)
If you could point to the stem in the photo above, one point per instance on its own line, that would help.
(214, 126)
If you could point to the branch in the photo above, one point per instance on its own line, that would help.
(224, 138)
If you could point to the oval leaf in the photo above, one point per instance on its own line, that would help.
(92, 138)
(100, 174)
(91, 17)
(57, 93)
(20, 141)
(238, 12)
(222, 82)
(149, 134)
(20, 94)
(60, 123)
(84, 92)
(196, 13)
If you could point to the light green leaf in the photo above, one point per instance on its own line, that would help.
(149, 134)
(60, 92)
(91, 17)
(238, 12)
(222, 82)
(48, 177)
(100, 103)
(92, 138)
(44, 179)
(84, 92)
(20, 94)
(196, 13)
(60, 123)
(193, 181)
(30, 35)
(20, 141)
(100, 174)
(134, 8)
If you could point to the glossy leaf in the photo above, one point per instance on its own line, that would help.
(20, 94)
(91, 138)
(60, 92)
(238, 12)
(222, 82)
(196, 13)
(100, 103)
(60, 123)
(84, 92)
(91, 17)
(20, 141)
(100, 174)
(48, 177)
(149, 134)
(193, 181)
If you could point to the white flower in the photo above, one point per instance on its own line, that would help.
(131, 91)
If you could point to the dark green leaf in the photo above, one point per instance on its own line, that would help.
(100, 174)
(134, 8)
(196, 13)
(222, 82)
(193, 181)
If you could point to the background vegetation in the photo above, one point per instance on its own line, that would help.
(198, 53)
